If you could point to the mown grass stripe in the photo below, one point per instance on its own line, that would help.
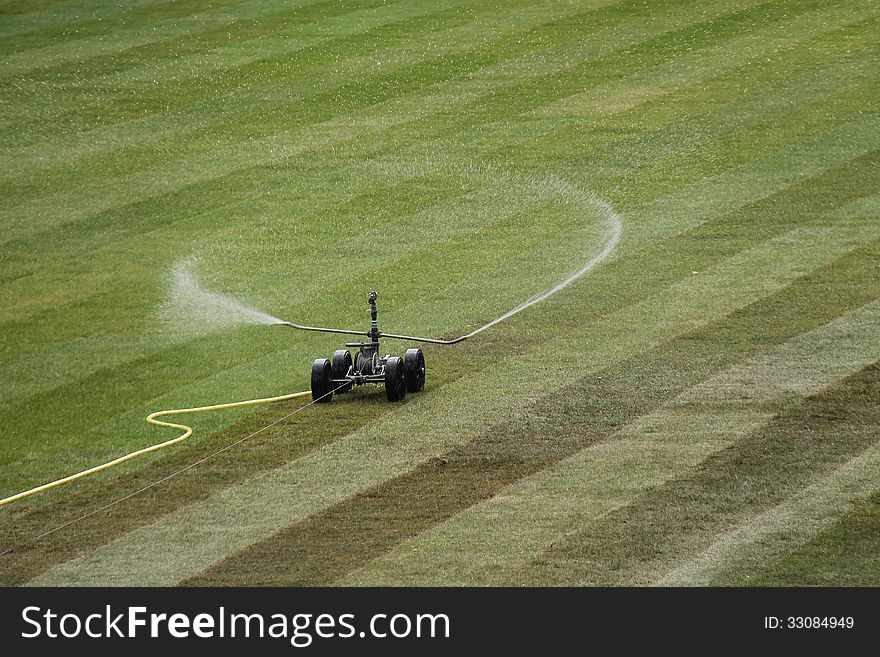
(685, 516)
(748, 549)
(457, 413)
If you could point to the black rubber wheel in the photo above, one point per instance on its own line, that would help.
(414, 364)
(395, 379)
(322, 384)
(340, 367)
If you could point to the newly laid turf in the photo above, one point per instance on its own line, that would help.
(699, 408)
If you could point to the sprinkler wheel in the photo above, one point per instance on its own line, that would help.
(322, 381)
(342, 373)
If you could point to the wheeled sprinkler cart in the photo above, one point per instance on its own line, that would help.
(342, 372)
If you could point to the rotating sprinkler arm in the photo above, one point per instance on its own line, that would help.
(431, 340)
(369, 334)
(324, 330)
(374, 333)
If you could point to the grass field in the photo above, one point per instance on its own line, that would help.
(702, 408)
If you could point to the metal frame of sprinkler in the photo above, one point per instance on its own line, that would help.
(341, 373)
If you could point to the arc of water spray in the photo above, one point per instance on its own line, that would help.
(214, 309)
(614, 232)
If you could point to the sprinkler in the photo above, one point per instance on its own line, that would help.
(341, 373)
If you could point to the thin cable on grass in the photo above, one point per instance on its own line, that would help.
(152, 418)
(174, 474)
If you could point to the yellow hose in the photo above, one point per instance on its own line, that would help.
(151, 418)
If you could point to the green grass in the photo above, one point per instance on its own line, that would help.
(663, 419)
